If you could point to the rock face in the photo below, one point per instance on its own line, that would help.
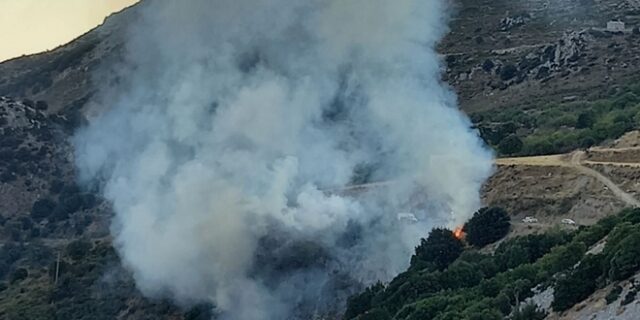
(558, 49)
(509, 23)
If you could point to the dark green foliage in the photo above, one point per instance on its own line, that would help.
(629, 297)
(563, 257)
(510, 145)
(461, 275)
(376, 314)
(488, 65)
(439, 250)
(483, 286)
(587, 142)
(508, 72)
(585, 120)
(625, 261)
(561, 128)
(42, 209)
(488, 225)
(429, 308)
(614, 294)
(360, 303)
(485, 314)
(579, 283)
(631, 215)
(78, 249)
(18, 275)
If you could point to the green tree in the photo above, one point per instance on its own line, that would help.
(78, 249)
(376, 314)
(510, 145)
(579, 283)
(18, 275)
(585, 120)
(488, 225)
(440, 249)
(626, 260)
(42, 208)
(360, 303)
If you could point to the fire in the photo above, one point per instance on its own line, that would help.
(459, 233)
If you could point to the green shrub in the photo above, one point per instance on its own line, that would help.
(625, 262)
(510, 145)
(360, 303)
(78, 249)
(440, 249)
(578, 284)
(18, 275)
(614, 294)
(629, 297)
(376, 314)
(488, 225)
(42, 209)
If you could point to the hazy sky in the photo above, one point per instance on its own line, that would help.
(30, 26)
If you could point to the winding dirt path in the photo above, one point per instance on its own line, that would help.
(575, 160)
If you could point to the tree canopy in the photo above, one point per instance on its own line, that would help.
(488, 225)
(439, 250)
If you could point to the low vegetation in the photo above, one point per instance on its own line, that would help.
(560, 128)
(479, 285)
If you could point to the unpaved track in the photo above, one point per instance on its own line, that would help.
(615, 164)
(558, 160)
(571, 160)
(574, 160)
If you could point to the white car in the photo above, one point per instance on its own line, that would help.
(407, 217)
(530, 220)
(568, 221)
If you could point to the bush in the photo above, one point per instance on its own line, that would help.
(510, 145)
(629, 297)
(376, 314)
(585, 120)
(18, 275)
(579, 284)
(439, 250)
(614, 294)
(78, 249)
(488, 225)
(360, 303)
(42, 209)
(626, 260)
(508, 72)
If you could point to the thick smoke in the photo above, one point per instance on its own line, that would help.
(227, 143)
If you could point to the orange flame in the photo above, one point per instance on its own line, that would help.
(459, 233)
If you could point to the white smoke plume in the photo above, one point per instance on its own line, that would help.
(233, 126)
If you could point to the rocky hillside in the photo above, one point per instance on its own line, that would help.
(503, 54)
(512, 62)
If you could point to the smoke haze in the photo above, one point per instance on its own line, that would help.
(233, 127)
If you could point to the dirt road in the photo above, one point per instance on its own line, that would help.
(575, 160)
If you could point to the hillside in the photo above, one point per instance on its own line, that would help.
(540, 276)
(537, 78)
